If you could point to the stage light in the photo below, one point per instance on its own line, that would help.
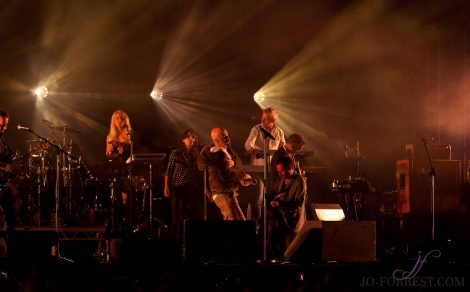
(41, 92)
(156, 94)
(259, 97)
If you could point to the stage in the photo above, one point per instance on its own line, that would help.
(79, 258)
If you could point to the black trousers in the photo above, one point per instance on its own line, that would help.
(187, 204)
(280, 236)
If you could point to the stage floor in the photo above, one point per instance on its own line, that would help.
(86, 258)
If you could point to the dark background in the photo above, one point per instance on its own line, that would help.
(383, 73)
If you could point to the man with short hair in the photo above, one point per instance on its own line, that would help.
(254, 144)
(224, 169)
(287, 202)
(7, 199)
(294, 145)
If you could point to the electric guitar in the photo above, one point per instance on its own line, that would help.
(8, 171)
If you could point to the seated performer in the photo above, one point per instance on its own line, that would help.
(294, 145)
(181, 183)
(224, 171)
(287, 205)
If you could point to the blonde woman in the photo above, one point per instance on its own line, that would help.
(118, 139)
(118, 149)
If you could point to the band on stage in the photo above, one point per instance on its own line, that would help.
(118, 192)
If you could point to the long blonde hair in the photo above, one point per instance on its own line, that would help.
(113, 130)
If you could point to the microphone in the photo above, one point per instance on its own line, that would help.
(266, 133)
(23, 128)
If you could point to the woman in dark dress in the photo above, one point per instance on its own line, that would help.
(118, 150)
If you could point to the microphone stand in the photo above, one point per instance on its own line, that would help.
(59, 151)
(205, 194)
(131, 197)
(266, 136)
(434, 185)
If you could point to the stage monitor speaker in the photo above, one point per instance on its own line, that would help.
(306, 245)
(414, 182)
(33, 246)
(220, 241)
(349, 241)
(341, 241)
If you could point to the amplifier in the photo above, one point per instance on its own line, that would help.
(436, 151)
(414, 185)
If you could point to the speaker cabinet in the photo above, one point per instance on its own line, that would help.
(33, 245)
(414, 185)
(349, 241)
(342, 241)
(220, 241)
(306, 245)
(149, 252)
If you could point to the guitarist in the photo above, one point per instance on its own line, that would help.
(7, 200)
(287, 204)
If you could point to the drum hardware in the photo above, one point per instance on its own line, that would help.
(148, 160)
(66, 129)
(59, 151)
(67, 159)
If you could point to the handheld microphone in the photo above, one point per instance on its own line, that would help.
(23, 128)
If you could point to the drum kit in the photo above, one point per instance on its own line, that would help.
(49, 172)
(58, 189)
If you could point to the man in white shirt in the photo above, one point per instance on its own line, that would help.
(254, 146)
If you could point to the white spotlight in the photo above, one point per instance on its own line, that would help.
(258, 97)
(156, 94)
(41, 92)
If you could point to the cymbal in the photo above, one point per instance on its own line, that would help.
(40, 141)
(67, 128)
(34, 141)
